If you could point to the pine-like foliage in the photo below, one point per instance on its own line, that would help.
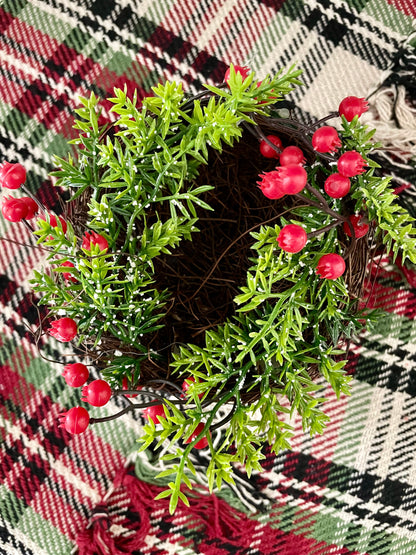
(287, 318)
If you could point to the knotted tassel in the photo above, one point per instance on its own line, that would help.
(117, 534)
(392, 114)
(211, 514)
(96, 539)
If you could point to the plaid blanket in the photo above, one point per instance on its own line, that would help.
(351, 490)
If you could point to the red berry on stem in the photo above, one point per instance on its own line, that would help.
(360, 228)
(64, 329)
(96, 393)
(127, 385)
(292, 156)
(243, 70)
(32, 207)
(352, 106)
(187, 384)
(269, 185)
(351, 163)
(291, 179)
(268, 151)
(270, 97)
(92, 238)
(75, 374)
(325, 139)
(292, 238)
(67, 275)
(54, 222)
(14, 209)
(154, 412)
(203, 442)
(12, 176)
(75, 421)
(337, 185)
(330, 266)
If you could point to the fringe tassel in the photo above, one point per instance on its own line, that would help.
(96, 540)
(219, 519)
(119, 535)
(394, 119)
(392, 112)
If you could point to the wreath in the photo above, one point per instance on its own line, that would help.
(211, 263)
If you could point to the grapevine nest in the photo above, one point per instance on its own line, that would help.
(193, 285)
(204, 275)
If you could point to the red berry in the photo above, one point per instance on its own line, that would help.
(291, 179)
(127, 385)
(203, 442)
(14, 209)
(75, 374)
(243, 70)
(187, 384)
(351, 163)
(330, 266)
(292, 238)
(270, 97)
(154, 412)
(12, 176)
(337, 185)
(75, 421)
(269, 185)
(64, 329)
(32, 207)
(96, 393)
(325, 139)
(92, 238)
(360, 228)
(54, 222)
(352, 106)
(292, 156)
(67, 275)
(268, 151)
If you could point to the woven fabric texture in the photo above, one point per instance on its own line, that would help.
(350, 491)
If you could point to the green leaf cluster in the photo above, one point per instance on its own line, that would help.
(137, 176)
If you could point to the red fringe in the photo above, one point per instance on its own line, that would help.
(216, 519)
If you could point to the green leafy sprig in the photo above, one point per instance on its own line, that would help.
(138, 176)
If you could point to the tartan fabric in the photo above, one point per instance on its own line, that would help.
(350, 491)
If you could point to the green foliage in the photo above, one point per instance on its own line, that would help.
(374, 196)
(139, 176)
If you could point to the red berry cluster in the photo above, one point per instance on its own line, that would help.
(13, 176)
(290, 178)
(97, 392)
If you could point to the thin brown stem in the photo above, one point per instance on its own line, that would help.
(233, 243)
(323, 229)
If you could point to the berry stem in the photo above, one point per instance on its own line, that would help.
(38, 202)
(323, 229)
(311, 125)
(158, 398)
(258, 133)
(114, 416)
(25, 244)
(323, 206)
(226, 418)
(317, 194)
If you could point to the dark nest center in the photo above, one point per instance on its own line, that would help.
(204, 275)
